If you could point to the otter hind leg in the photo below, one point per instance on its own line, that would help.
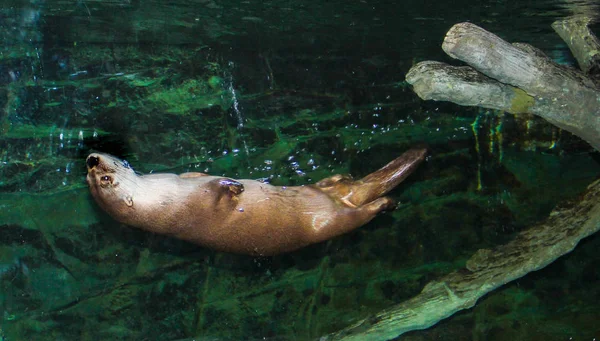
(348, 219)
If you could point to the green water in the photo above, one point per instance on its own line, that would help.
(288, 92)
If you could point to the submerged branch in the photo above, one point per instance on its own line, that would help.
(487, 270)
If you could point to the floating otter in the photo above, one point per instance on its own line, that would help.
(243, 216)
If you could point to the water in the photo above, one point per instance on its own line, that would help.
(290, 93)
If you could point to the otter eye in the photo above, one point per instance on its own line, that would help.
(105, 178)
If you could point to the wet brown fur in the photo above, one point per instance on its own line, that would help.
(243, 216)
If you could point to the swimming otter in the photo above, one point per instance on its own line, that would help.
(243, 216)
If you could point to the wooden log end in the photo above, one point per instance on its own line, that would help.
(454, 36)
(465, 86)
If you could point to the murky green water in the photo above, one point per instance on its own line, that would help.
(289, 92)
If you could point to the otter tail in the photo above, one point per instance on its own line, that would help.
(380, 182)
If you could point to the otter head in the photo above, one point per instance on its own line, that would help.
(111, 181)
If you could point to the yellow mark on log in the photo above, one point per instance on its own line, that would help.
(521, 102)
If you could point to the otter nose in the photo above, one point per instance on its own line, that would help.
(92, 161)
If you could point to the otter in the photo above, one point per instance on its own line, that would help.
(243, 216)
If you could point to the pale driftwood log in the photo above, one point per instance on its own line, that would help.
(487, 270)
(522, 76)
(582, 42)
(520, 79)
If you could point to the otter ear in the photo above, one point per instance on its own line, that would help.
(230, 185)
(128, 201)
